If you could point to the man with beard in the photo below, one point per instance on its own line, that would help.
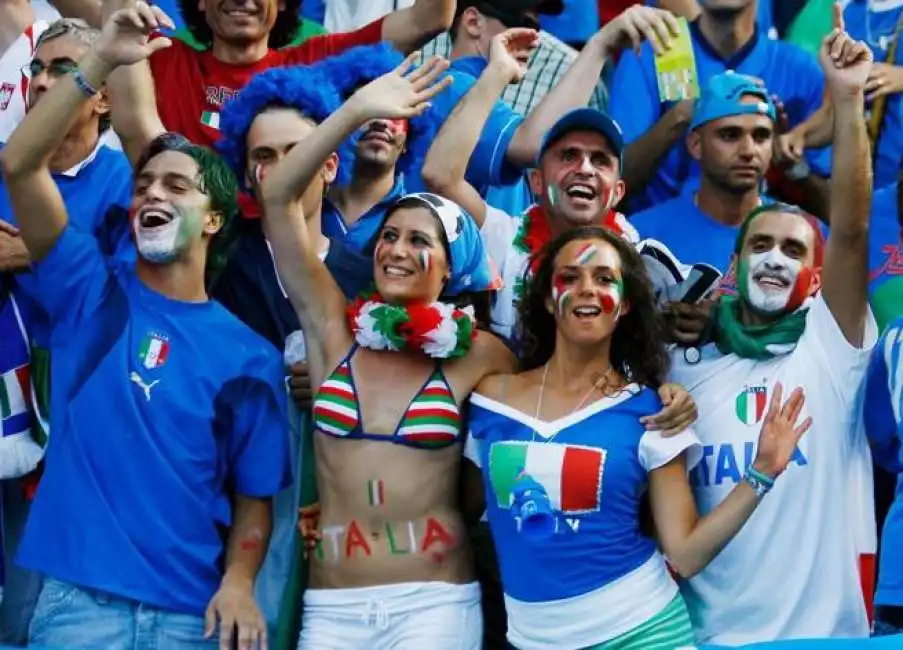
(732, 136)
(152, 557)
(657, 165)
(803, 567)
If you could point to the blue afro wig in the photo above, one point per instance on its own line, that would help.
(302, 88)
(359, 66)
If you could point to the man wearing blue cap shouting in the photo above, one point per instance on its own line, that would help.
(732, 137)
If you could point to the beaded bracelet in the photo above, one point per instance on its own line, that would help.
(758, 481)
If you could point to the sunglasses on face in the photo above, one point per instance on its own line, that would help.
(56, 68)
(509, 19)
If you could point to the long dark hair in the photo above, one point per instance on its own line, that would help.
(637, 345)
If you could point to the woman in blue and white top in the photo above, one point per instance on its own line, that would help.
(565, 461)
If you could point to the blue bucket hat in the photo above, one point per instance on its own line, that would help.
(470, 266)
(722, 97)
(585, 119)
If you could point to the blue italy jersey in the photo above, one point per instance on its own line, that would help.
(162, 410)
(359, 234)
(500, 183)
(885, 256)
(97, 193)
(877, 27)
(593, 465)
(883, 415)
(787, 71)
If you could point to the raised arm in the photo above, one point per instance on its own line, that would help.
(35, 198)
(134, 106)
(314, 294)
(446, 163)
(411, 28)
(691, 542)
(845, 274)
(629, 29)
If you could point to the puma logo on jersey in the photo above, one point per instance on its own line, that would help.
(136, 379)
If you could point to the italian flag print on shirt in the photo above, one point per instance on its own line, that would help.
(751, 404)
(211, 119)
(570, 474)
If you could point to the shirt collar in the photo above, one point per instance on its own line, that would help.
(737, 58)
(73, 171)
(472, 65)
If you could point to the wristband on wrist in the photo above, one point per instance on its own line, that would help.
(758, 481)
(83, 84)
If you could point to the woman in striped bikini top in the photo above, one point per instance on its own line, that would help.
(432, 419)
(408, 532)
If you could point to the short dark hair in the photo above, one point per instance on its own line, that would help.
(216, 181)
(638, 349)
(283, 32)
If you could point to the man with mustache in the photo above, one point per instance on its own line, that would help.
(801, 318)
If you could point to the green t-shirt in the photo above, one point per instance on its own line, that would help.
(307, 29)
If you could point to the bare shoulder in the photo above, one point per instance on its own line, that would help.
(491, 354)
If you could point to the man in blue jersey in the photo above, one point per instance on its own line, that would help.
(886, 254)
(153, 514)
(95, 182)
(883, 415)
(657, 164)
(508, 142)
(732, 137)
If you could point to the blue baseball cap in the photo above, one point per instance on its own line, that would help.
(722, 97)
(585, 119)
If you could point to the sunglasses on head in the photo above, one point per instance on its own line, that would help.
(509, 19)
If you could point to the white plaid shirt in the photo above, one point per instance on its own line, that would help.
(548, 65)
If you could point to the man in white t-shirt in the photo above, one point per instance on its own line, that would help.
(794, 571)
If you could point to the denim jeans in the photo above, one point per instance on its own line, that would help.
(72, 617)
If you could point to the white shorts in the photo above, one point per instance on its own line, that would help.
(407, 616)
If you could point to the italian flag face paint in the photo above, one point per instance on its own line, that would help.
(561, 295)
(424, 257)
(260, 173)
(612, 297)
(774, 300)
(586, 254)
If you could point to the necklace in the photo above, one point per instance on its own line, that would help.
(600, 383)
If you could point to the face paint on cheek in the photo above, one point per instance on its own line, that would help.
(424, 257)
(552, 194)
(774, 264)
(611, 299)
(260, 173)
(398, 126)
(561, 295)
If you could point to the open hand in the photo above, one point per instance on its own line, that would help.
(780, 432)
(236, 609)
(403, 93)
(636, 24)
(846, 62)
(512, 49)
(679, 411)
(125, 38)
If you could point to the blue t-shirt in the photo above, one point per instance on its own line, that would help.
(362, 231)
(789, 72)
(689, 233)
(593, 468)
(885, 256)
(161, 411)
(97, 194)
(878, 29)
(501, 184)
(883, 416)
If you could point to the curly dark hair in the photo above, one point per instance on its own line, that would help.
(638, 349)
(287, 23)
